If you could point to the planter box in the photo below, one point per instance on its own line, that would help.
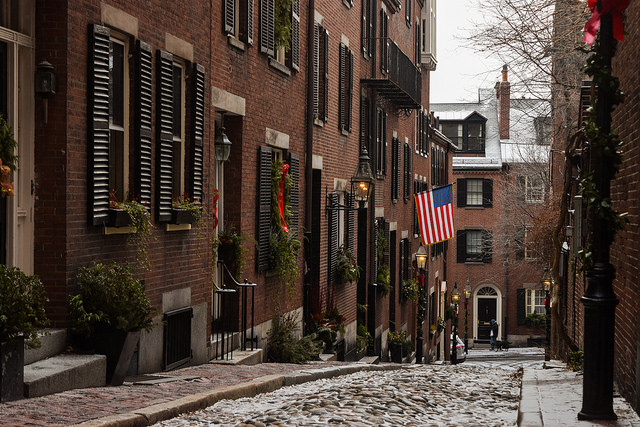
(12, 370)
(118, 218)
(119, 347)
(182, 216)
(396, 353)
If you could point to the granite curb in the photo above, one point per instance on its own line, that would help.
(163, 411)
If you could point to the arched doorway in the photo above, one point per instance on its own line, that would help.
(486, 308)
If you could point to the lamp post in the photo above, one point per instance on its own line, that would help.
(546, 284)
(421, 262)
(222, 144)
(467, 295)
(455, 299)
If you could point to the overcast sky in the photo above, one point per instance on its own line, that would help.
(460, 71)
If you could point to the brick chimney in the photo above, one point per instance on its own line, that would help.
(503, 92)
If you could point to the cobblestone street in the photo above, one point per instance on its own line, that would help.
(438, 395)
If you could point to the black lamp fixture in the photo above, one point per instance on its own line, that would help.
(467, 295)
(45, 79)
(222, 142)
(455, 295)
(547, 281)
(421, 258)
(362, 179)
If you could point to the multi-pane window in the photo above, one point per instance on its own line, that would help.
(469, 136)
(423, 133)
(408, 178)
(118, 117)
(474, 192)
(542, 127)
(368, 36)
(475, 137)
(453, 131)
(381, 142)
(535, 301)
(438, 167)
(474, 246)
(345, 94)
(384, 42)
(238, 19)
(428, 37)
(274, 41)
(395, 169)
(178, 129)
(531, 188)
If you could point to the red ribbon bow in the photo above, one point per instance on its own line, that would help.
(285, 169)
(215, 209)
(616, 8)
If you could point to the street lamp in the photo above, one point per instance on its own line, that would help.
(421, 263)
(362, 179)
(222, 143)
(546, 284)
(455, 299)
(467, 295)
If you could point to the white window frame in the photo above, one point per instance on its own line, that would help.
(473, 244)
(120, 39)
(475, 194)
(179, 139)
(535, 301)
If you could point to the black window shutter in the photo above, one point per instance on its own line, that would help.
(365, 27)
(462, 192)
(350, 222)
(387, 250)
(384, 43)
(164, 143)
(395, 168)
(295, 35)
(197, 134)
(294, 194)
(333, 238)
(407, 172)
(342, 87)
(267, 18)
(487, 193)
(264, 207)
(99, 124)
(461, 245)
(384, 143)
(521, 306)
(316, 71)
(143, 130)
(325, 76)
(229, 16)
(487, 246)
(349, 97)
(248, 20)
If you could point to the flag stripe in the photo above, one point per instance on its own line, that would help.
(435, 214)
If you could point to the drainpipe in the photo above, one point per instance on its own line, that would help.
(308, 171)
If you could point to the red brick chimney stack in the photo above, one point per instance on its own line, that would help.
(504, 103)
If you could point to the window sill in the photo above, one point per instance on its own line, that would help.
(234, 42)
(279, 66)
(117, 230)
(318, 122)
(474, 208)
(474, 262)
(348, 4)
(344, 132)
(177, 227)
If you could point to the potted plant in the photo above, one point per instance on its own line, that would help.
(399, 346)
(132, 213)
(109, 313)
(383, 279)
(363, 340)
(186, 211)
(409, 290)
(328, 326)
(228, 247)
(22, 300)
(8, 157)
(347, 267)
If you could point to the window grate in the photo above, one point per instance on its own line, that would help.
(177, 338)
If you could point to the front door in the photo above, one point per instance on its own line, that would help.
(486, 312)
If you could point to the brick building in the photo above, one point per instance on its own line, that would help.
(141, 93)
(500, 174)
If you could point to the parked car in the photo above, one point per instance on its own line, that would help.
(461, 354)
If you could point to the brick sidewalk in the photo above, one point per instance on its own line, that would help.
(77, 406)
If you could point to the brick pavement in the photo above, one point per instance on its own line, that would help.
(81, 405)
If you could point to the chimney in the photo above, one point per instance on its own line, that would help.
(503, 90)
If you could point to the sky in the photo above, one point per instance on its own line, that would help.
(460, 71)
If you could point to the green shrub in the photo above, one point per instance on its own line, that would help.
(576, 359)
(22, 300)
(363, 338)
(284, 347)
(109, 297)
(535, 320)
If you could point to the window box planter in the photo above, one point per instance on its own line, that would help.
(118, 218)
(183, 216)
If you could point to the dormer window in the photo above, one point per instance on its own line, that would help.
(469, 135)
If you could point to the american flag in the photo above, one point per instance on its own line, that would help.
(435, 214)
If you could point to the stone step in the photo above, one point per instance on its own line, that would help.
(240, 357)
(64, 372)
(53, 341)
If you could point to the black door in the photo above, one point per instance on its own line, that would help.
(486, 312)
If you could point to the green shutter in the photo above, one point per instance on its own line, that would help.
(197, 132)
(164, 141)
(143, 130)
(264, 207)
(98, 124)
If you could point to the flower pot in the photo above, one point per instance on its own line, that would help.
(226, 252)
(12, 370)
(182, 216)
(396, 353)
(118, 218)
(119, 347)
